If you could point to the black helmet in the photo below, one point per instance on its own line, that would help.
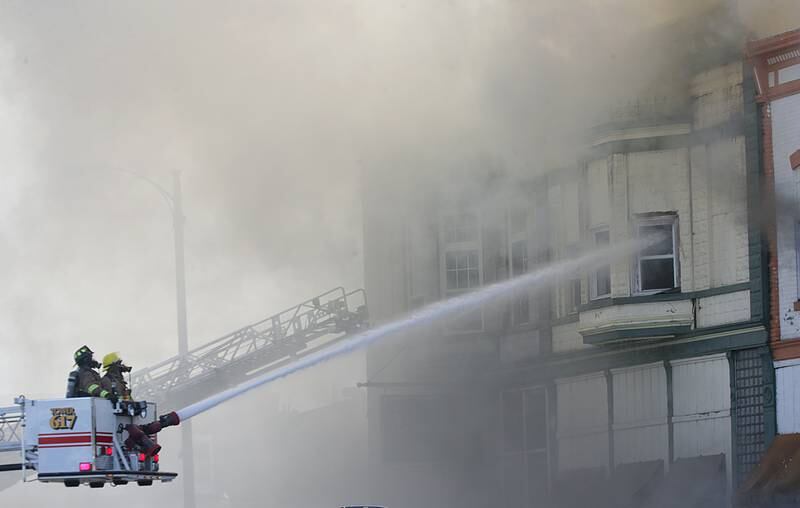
(84, 353)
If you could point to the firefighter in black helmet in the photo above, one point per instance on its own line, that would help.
(85, 381)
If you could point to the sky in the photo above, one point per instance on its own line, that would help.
(272, 112)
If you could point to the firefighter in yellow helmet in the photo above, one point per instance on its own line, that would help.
(85, 381)
(114, 378)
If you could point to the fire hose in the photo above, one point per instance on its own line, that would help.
(139, 435)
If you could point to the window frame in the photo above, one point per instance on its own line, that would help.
(569, 289)
(593, 292)
(670, 219)
(514, 238)
(573, 297)
(446, 247)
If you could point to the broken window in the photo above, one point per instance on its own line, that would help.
(600, 283)
(657, 264)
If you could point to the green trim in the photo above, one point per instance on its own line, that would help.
(632, 334)
(757, 248)
(610, 404)
(670, 413)
(770, 411)
(720, 340)
(733, 419)
(666, 297)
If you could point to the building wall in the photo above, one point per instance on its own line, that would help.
(643, 407)
(786, 140)
(701, 178)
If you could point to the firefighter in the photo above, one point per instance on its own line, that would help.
(114, 378)
(85, 381)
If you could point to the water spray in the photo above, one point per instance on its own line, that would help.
(430, 313)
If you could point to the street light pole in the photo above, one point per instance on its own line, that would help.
(178, 220)
(175, 202)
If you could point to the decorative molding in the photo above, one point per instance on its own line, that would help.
(770, 55)
(783, 58)
(785, 349)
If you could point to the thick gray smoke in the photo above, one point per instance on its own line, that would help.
(273, 111)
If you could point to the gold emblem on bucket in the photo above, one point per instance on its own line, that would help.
(63, 418)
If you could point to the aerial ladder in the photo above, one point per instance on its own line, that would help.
(253, 350)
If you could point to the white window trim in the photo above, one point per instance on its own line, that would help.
(666, 219)
(571, 294)
(564, 289)
(593, 275)
(446, 247)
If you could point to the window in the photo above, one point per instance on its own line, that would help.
(600, 280)
(463, 270)
(567, 294)
(657, 265)
(518, 245)
(573, 296)
(461, 264)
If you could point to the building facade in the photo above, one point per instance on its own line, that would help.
(776, 63)
(620, 386)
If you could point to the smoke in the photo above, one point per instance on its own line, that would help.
(276, 113)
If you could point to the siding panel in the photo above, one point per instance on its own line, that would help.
(701, 404)
(640, 414)
(582, 422)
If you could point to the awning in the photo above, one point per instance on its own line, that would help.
(776, 476)
(697, 482)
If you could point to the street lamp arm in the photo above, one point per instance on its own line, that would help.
(169, 198)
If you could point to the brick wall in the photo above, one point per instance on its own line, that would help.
(785, 131)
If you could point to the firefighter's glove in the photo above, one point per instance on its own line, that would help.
(113, 398)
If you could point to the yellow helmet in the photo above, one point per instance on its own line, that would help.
(110, 359)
